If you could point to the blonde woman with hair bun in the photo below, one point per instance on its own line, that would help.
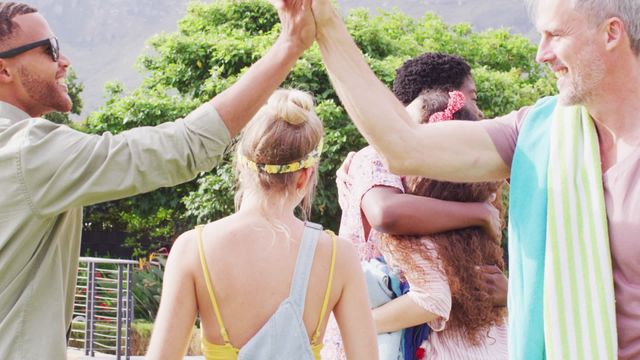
(262, 280)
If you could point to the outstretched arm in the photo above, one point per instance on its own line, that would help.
(72, 169)
(242, 100)
(460, 151)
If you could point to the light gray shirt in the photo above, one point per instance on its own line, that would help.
(47, 173)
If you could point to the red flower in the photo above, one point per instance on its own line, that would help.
(420, 353)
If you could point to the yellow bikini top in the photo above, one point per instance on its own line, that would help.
(305, 258)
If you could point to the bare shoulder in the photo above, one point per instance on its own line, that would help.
(226, 231)
(346, 256)
(183, 251)
(185, 243)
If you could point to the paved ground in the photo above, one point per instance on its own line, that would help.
(74, 354)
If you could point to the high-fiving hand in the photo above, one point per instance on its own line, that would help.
(298, 25)
(323, 12)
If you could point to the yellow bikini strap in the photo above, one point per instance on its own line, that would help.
(207, 278)
(325, 303)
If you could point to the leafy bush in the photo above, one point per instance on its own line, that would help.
(141, 336)
(147, 286)
(215, 43)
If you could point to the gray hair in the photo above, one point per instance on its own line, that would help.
(599, 10)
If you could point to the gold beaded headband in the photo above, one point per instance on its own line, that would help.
(308, 161)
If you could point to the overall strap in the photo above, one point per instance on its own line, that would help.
(304, 262)
(207, 279)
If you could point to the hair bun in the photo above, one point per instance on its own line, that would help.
(292, 106)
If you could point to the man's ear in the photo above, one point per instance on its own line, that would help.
(5, 72)
(615, 32)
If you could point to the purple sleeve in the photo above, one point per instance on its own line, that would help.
(504, 132)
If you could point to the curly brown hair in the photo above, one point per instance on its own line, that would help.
(459, 251)
(430, 70)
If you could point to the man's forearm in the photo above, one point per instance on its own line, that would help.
(362, 94)
(239, 103)
(458, 150)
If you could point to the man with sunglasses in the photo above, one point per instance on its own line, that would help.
(51, 45)
(49, 171)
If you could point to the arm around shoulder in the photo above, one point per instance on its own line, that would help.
(391, 211)
(238, 104)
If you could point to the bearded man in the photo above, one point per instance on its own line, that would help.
(573, 160)
(49, 171)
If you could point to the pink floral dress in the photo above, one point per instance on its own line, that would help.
(359, 173)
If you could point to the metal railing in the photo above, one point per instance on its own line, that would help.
(103, 307)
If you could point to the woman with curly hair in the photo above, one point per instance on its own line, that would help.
(442, 268)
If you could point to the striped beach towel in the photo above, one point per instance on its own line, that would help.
(578, 296)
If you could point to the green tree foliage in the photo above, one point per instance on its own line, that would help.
(215, 43)
(75, 88)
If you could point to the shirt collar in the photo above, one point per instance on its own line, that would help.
(8, 111)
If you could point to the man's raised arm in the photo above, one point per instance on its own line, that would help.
(458, 150)
(242, 100)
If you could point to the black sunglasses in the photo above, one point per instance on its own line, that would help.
(52, 43)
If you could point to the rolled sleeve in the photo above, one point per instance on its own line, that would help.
(205, 123)
(63, 168)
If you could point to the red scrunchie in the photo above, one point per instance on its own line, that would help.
(456, 102)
